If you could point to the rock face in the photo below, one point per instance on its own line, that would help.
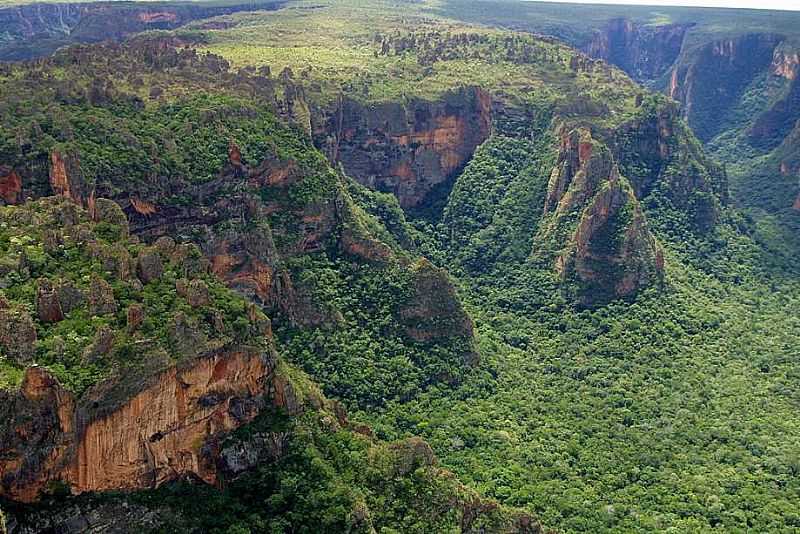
(48, 306)
(610, 252)
(659, 155)
(160, 433)
(771, 126)
(407, 149)
(785, 63)
(710, 80)
(91, 518)
(645, 52)
(10, 185)
(66, 178)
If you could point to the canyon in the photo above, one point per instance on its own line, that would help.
(551, 274)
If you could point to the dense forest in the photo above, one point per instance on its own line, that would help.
(398, 268)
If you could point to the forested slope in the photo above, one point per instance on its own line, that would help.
(484, 238)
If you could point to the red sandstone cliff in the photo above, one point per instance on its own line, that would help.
(609, 252)
(162, 432)
(407, 149)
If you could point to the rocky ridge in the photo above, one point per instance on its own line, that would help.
(170, 413)
(609, 252)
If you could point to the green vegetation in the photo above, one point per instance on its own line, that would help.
(675, 411)
(103, 113)
(85, 332)
(575, 23)
(383, 52)
(333, 480)
(366, 356)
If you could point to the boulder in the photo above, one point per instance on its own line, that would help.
(149, 266)
(17, 335)
(186, 337)
(101, 345)
(135, 317)
(70, 297)
(101, 297)
(48, 307)
(195, 292)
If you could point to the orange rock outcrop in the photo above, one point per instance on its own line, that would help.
(10, 185)
(159, 434)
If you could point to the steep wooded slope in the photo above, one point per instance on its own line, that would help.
(593, 398)
(137, 368)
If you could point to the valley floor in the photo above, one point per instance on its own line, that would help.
(676, 413)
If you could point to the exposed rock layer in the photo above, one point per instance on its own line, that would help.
(645, 52)
(160, 433)
(609, 253)
(709, 81)
(407, 149)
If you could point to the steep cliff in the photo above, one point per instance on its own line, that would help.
(160, 433)
(773, 124)
(407, 148)
(593, 216)
(644, 51)
(150, 383)
(709, 80)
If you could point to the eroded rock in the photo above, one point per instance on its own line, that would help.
(194, 291)
(48, 306)
(410, 149)
(135, 317)
(149, 266)
(17, 335)
(150, 438)
(609, 253)
(101, 297)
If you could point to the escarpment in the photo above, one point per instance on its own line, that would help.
(645, 52)
(253, 194)
(160, 433)
(138, 395)
(775, 123)
(742, 97)
(710, 80)
(609, 252)
(407, 149)
(147, 371)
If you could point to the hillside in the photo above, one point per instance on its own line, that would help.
(527, 279)
(117, 349)
(733, 71)
(147, 370)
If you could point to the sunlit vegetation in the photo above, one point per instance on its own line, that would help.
(674, 411)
